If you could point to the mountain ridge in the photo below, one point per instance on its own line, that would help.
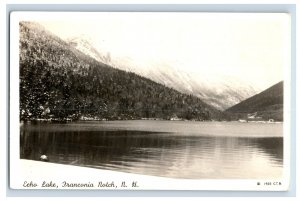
(268, 104)
(57, 81)
(220, 91)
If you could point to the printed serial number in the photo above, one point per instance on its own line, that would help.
(275, 183)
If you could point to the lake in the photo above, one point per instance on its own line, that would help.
(174, 149)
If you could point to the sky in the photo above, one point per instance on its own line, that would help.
(251, 46)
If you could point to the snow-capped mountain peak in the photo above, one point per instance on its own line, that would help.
(221, 91)
(84, 44)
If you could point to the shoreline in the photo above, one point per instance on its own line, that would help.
(183, 120)
(185, 128)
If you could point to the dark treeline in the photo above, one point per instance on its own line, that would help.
(59, 82)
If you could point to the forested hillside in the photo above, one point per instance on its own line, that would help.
(59, 82)
(268, 104)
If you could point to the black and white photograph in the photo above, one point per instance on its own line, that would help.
(150, 100)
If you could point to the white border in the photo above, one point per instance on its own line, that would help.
(17, 176)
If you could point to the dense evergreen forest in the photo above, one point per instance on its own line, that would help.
(268, 104)
(58, 82)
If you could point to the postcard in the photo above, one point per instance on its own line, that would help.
(150, 101)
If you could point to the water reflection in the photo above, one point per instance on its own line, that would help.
(158, 153)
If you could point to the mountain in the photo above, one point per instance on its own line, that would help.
(85, 46)
(221, 91)
(267, 104)
(59, 82)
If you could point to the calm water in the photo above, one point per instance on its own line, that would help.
(176, 149)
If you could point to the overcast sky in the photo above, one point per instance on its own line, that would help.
(251, 46)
